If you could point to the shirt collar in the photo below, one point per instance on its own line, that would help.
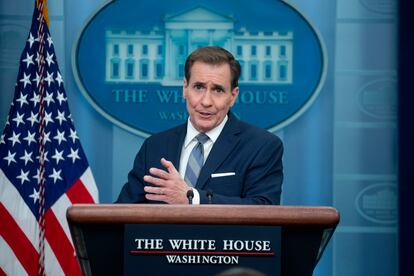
(213, 134)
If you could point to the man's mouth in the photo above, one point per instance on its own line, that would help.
(205, 114)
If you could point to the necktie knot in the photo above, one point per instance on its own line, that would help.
(202, 138)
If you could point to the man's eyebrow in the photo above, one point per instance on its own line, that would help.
(218, 86)
(199, 83)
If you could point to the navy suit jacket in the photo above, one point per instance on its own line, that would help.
(254, 156)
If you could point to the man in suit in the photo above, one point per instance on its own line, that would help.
(220, 158)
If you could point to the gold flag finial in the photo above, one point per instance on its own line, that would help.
(44, 10)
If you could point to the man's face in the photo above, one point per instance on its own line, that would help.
(209, 95)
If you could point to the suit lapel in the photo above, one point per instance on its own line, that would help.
(175, 144)
(221, 149)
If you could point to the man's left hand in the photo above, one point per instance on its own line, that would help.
(168, 186)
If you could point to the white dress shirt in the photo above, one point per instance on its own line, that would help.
(190, 142)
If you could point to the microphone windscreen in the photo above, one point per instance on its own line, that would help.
(210, 196)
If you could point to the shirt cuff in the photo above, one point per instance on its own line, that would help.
(196, 198)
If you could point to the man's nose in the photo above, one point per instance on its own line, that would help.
(206, 100)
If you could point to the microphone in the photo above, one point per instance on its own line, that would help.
(190, 195)
(210, 196)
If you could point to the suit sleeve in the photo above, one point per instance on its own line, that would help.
(133, 190)
(263, 177)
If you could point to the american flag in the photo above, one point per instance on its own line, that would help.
(43, 169)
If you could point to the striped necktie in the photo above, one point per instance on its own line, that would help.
(195, 161)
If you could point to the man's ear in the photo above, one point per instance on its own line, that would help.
(185, 85)
(234, 94)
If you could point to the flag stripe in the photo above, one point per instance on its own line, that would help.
(78, 193)
(8, 261)
(89, 182)
(60, 245)
(1, 270)
(59, 209)
(18, 209)
(18, 241)
(52, 265)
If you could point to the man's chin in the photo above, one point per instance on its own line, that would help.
(205, 126)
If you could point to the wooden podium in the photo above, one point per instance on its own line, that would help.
(98, 232)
